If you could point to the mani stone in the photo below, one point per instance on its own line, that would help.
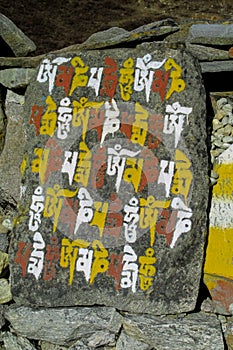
(19, 43)
(218, 269)
(198, 331)
(115, 188)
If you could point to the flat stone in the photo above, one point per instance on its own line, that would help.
(19, 43)
(196, 331)
(5, 291)
(115, 36)
(20, 62)
(211, 34)
(218, 269)
(11, 156)
(12, 342)
(16, 78)
(62, 326)
(125, 341)
(206, 53)
(143, 224)
(216, 66)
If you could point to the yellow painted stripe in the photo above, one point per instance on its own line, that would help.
(219, 254)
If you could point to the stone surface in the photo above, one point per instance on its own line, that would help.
(49, 346)
(211, 34)
(12, 342)
(101, 338)
(3, 262)
(195, 331)
(62, 326)
(16, 78)
(20, 62)
(2, 318)
(228, 333)
(125, 341)
(113, 199)
(4, 241)
(11, 156)
(19, 43)
(5, 291)
(217, 66)
(115, 36)
(206, 53)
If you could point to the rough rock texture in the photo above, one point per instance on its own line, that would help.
(125, 341)
(5, 291)
(62, 326)
(211, 34)
(195, 331)
(158, 129)
(10, 177)
(16, 78)
(13, 342)
(119, 36)
(18, 42)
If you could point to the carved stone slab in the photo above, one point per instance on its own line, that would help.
(114, 191)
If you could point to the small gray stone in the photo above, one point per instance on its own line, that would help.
(206, 53)
(221, 102)
(101, 338)
(228, 139)
(208, 306)
(225, 120)
(216, 66)
(195, 331)
(125, 341)
(212, 34)
(15, 78)
(19, 43)
(218, 143)
(226, 145)
(62, 325)
(13, 342)
(5, 291)
(227, 108)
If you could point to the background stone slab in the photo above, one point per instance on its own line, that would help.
(195, 331)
